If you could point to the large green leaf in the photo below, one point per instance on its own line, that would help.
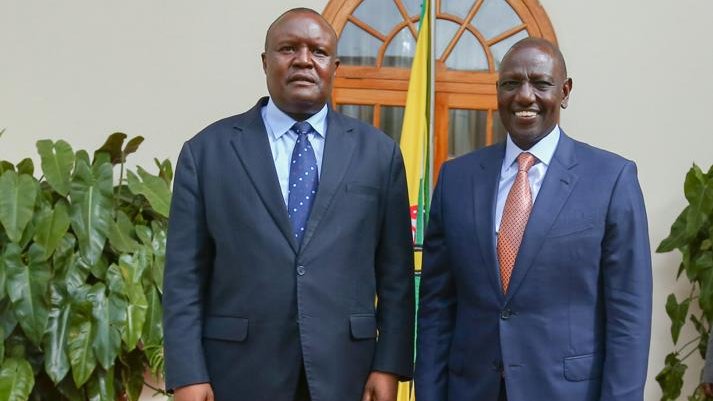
(57, 160)
(112, 146)
(2, 345)
(154, 188)
(158, 245)
(56, 360)
(91, 212)
(153, 327)
(107, 339)
(79, 341)
(678, 236)
(27, 288)
(131, 269)
(52, 226)
(8, 321)
(132, 376)
(26, 166)
(100, 386)
(16, 380)
(121, 234)
(132, 146)
(6, 166)
(16, 203)
(671, 377)
(67, 388)
(3, 275)
(699, 193)
(165, 170)
(677, 313)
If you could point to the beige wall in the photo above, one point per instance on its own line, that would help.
(82, 69)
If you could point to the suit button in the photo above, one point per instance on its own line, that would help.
(300, 270)
(506, 314)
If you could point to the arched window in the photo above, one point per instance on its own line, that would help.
(377, 41)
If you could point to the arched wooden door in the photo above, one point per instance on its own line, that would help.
(377, 41)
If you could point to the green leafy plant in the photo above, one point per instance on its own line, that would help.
(81, 268)
(692, 235)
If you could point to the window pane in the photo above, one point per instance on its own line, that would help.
(357, 47)
(458, 8)
(392, 117)
(499, 49)
(445, 31)
(495, 17)
(467, 55)
(380, 14)
(401, 50)
(499, 131)
(359, 111)
(413, 7)
(466, 130)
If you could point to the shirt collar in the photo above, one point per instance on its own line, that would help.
(280, 122)
(543, 150)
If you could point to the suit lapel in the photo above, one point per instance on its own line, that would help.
(338, 149)
(556, 188)
(485, 190)
(253, 149)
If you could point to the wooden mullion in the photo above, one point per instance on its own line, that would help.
(377, 115)
(406, 18)
(456, 37)
(387, 42)
(363, 25)
(506, 34)
(489, 128)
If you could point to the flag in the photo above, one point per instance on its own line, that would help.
(416, 146)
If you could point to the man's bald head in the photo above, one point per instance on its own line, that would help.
(541, 44)
(299, 10)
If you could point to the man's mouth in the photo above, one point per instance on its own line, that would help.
(526, 114)
(301, 79)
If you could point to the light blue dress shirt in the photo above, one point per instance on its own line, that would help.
(282, 140)
(543, 151)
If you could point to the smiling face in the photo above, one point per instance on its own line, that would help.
(300, 63)
(532, 86)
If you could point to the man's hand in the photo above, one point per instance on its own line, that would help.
(194, 392)
(707, 389)
(380, 387)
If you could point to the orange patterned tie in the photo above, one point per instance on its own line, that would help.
(515, 215)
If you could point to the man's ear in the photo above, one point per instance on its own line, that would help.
(264, 65)
(566, 89)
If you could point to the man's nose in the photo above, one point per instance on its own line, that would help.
(525, 94)
(303, 56)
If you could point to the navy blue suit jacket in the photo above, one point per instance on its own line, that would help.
(575, 323)
(245, 304)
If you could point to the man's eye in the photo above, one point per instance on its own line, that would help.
(543, 85)
(320, 52)
(509, 84)
(286, 49)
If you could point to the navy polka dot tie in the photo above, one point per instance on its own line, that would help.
(304, 180)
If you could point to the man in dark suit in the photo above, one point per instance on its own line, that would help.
(287, 222)
(536, 284)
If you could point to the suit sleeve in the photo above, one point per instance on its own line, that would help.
(437, 305)
(394, 278)
(188, 254)
(627, 282)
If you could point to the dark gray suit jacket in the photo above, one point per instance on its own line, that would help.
(245, 305)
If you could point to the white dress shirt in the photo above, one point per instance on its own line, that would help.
(543, 151)
(282, 140)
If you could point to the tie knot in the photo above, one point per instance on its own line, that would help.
(525, 160)
(302, 128)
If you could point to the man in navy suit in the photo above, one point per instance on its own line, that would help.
(536, 283)
(287, 222)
